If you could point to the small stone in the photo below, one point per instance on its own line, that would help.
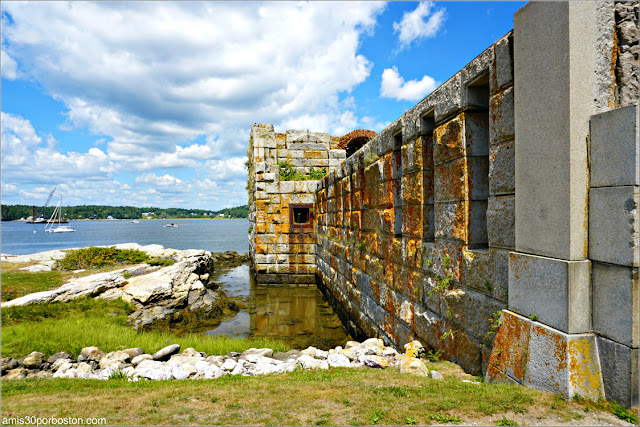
(84, 367)
(166, 352)
(436, 375)
(351, 344)
(264, 352)
(58, 364)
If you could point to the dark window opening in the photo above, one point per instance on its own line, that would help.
(397, 184)
(477, 107)
(300, 215)
(356, 144)
(427, 127)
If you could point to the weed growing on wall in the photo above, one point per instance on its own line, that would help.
(288, 172)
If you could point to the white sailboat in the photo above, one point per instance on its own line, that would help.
(57, 213)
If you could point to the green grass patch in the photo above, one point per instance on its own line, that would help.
(101, 257)
(18, 283)
(288, 172)
(336, 396)
(70, 326)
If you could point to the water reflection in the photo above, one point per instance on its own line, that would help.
(297, 315)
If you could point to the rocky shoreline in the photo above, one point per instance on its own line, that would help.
(170, 364)
(165, 294)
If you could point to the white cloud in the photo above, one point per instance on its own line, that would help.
(9, 67)
(423, 22)
(177, 85)
(394, 86)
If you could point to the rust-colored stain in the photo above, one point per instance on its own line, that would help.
(511, 346)
(449, 140)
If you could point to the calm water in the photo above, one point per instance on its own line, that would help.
(18, 238)
(297, 315)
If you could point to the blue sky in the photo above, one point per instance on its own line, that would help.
(151, 103)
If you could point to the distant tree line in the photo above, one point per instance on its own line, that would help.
(15, 212)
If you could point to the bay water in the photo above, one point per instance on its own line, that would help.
(298, 316)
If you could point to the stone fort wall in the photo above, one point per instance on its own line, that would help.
(510, 192)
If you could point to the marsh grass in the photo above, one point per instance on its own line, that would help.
(70, 326)
(16, 283)
(335, 397)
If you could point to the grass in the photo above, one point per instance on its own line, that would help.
(17, 283)
(335, 397)
(70, 326)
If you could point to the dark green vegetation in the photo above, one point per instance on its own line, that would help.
(15, 212)
(289, 173)
(101, 257)
(334, 397)
(70, 326)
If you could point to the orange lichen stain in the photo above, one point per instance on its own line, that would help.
(511, 346)
(584, 369)
(611, 102)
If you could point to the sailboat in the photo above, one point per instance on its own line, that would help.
(57, 213)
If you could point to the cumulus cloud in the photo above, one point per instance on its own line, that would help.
(9, 67)
(423, 22)
(177, 85)
(394, 86)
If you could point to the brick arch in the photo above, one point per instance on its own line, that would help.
(352, 141)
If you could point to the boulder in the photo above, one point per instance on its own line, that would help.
(229, 365)
(114, 358)
(37, 268)
(33, 360)
(153, 370)
(265, 352)
(308, 362)
(91, 353)
(411, 365)
(8, 363)
(166, 352)
(59, 355)
(190, 352)
(373, 361)
(61, 364)
(336, 360)
(414, 349)
(16, 374)
(133, 352)
(136, 360)
(183, 371)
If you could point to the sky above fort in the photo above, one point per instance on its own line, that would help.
(151, 103)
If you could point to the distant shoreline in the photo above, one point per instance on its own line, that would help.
(128, 219)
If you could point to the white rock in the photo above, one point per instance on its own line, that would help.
(351, 344)
(338, 360)
(307, 362)
(84, 367)
(229, 365)
(37, 257)
(389, 351)
(37, 268)
(136, 360)
(184, 371)
(60, 363)
(153, 370)
(114, 358)
(438, 376)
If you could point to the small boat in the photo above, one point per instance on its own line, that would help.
(172, 225)
(55, 218)
(135, 221)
